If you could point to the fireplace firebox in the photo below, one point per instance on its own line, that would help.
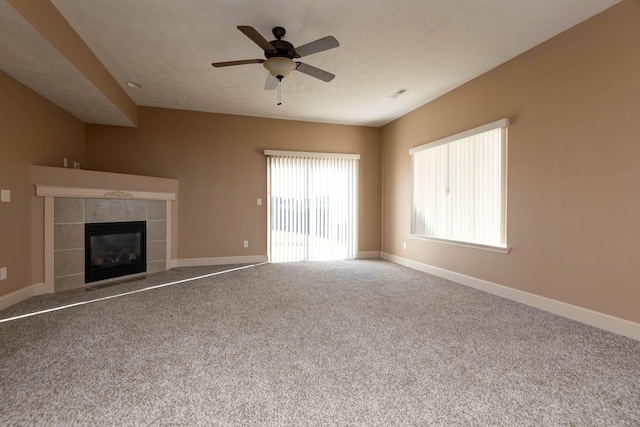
(114, 249)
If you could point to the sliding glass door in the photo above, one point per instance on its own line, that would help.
(312, 206)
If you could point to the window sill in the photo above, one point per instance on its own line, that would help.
(499, 249)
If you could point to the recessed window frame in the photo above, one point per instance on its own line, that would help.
(502, 124)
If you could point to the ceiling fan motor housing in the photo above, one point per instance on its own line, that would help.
(284, 49)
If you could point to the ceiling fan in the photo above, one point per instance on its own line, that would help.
(281, 55)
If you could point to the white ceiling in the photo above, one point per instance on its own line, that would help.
(426, 46)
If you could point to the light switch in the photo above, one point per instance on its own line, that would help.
(5, 195)
(259, 202)
(3, 273)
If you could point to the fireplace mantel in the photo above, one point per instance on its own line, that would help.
(100, 193)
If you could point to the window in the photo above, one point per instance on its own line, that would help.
(313, 200)
(459, 188)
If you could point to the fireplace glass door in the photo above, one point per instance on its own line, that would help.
(114, 249)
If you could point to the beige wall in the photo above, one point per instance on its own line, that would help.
(219, 162)
(32, 131)
(574, 167)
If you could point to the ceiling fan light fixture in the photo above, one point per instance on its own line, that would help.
(280, 67)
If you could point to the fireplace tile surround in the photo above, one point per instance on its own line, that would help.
(70, 215)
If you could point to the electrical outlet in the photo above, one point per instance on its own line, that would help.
(3, 273)
(66, 163)
(5, 195)
(246, 243)
(259, 202)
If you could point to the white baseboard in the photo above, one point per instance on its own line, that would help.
(197, 262)
(590, 317)
(368, 254)
(21, 295)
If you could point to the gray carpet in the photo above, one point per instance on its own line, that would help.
(362, 342)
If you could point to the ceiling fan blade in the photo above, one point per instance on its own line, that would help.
(312, 71)
(257, 38)
(319, 45)
(271, 82)
(242, 62)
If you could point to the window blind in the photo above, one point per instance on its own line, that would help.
(459, 187)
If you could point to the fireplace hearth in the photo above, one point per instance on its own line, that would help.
(114, 249)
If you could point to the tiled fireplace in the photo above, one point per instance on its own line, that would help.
(75, 198)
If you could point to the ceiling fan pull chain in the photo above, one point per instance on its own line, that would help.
(279, 92)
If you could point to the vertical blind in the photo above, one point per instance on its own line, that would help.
(313, 207)
(459, 187)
